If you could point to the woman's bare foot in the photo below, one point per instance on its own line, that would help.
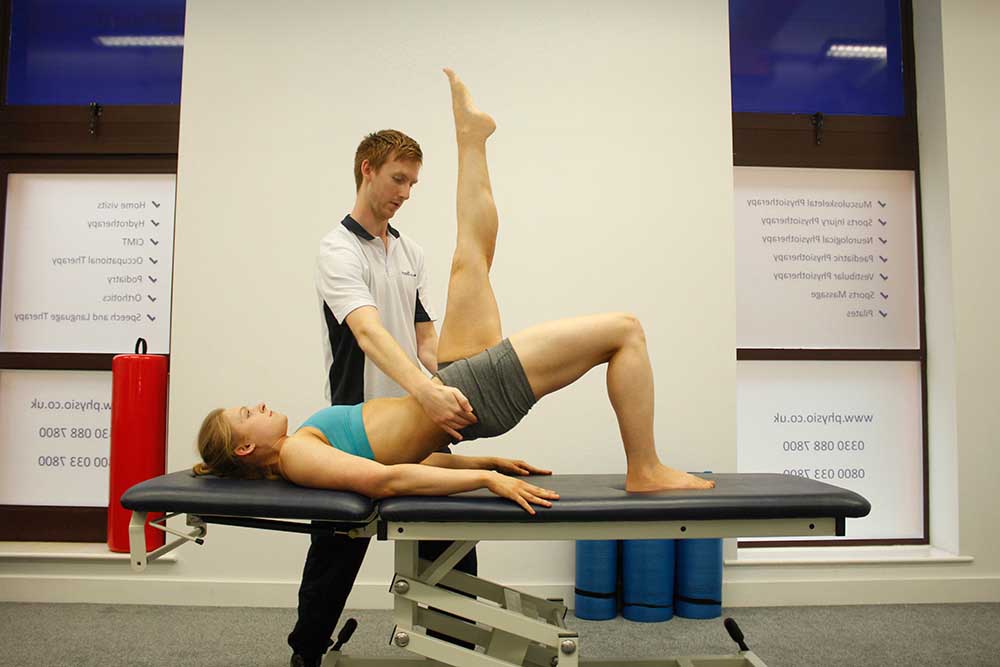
(663, 478)
(470, 122)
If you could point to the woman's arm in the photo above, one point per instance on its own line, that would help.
(409, 479)
(458, 462)
(310, 463)
(508, 466)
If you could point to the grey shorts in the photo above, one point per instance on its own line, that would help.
(495, 383)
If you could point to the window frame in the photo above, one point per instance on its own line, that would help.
(140, 139)
(66, 129)
(848, 142)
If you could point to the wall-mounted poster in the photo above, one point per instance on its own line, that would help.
(87, 262)
(853, 424)
(826, 259)
(55, 429)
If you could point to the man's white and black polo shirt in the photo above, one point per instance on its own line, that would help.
(354, 269)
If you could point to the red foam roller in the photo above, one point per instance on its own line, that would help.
(138, 437)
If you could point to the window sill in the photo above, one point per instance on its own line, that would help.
(846, 555)
(67, 552)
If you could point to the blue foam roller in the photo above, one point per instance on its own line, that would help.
(648, 580)
(698, 589)
(596, 579)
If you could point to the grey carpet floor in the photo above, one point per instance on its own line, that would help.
(110, 635)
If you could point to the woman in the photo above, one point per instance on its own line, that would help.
(386, 447)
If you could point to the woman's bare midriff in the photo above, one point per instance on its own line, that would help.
(399, 431)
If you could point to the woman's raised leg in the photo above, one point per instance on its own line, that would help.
(472, 318)
(558, 353)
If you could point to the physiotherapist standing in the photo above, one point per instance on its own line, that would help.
(378, 329)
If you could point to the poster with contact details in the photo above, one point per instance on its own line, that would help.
(826, 259)
(55, 426)
(87, 262)
(853, 424)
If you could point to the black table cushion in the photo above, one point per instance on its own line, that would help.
(264, 498)
(603, 498)
(583, 498)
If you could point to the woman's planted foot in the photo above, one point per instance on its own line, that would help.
(663, 478)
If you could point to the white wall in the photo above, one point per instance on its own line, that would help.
(938, 284)
(972, 94)
(612, 173)
(611, 170)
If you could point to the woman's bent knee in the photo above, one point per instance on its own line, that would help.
(629, 328)
(635, 328)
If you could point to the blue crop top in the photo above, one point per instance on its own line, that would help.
(344, 429)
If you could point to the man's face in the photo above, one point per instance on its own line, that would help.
(390, 186)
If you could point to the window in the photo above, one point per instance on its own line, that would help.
(90, 88)
(72, 52)
(829, 266)
(840, 58)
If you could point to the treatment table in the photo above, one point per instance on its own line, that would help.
(513, 628)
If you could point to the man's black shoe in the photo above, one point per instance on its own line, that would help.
(302, 661)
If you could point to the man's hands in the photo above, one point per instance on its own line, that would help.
(520, 492)
(515, 467)
(447, 407)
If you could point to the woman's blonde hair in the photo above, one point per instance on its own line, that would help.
(217, 445)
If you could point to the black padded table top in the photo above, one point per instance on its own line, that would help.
(603, 498)
(183, 492)
(583, 498)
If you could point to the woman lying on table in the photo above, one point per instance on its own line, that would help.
(387, 446)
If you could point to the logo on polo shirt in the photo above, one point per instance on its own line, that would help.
(409, 273)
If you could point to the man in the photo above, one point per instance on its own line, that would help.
(377, 324)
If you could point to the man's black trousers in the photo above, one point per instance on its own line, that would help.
(332, 565)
